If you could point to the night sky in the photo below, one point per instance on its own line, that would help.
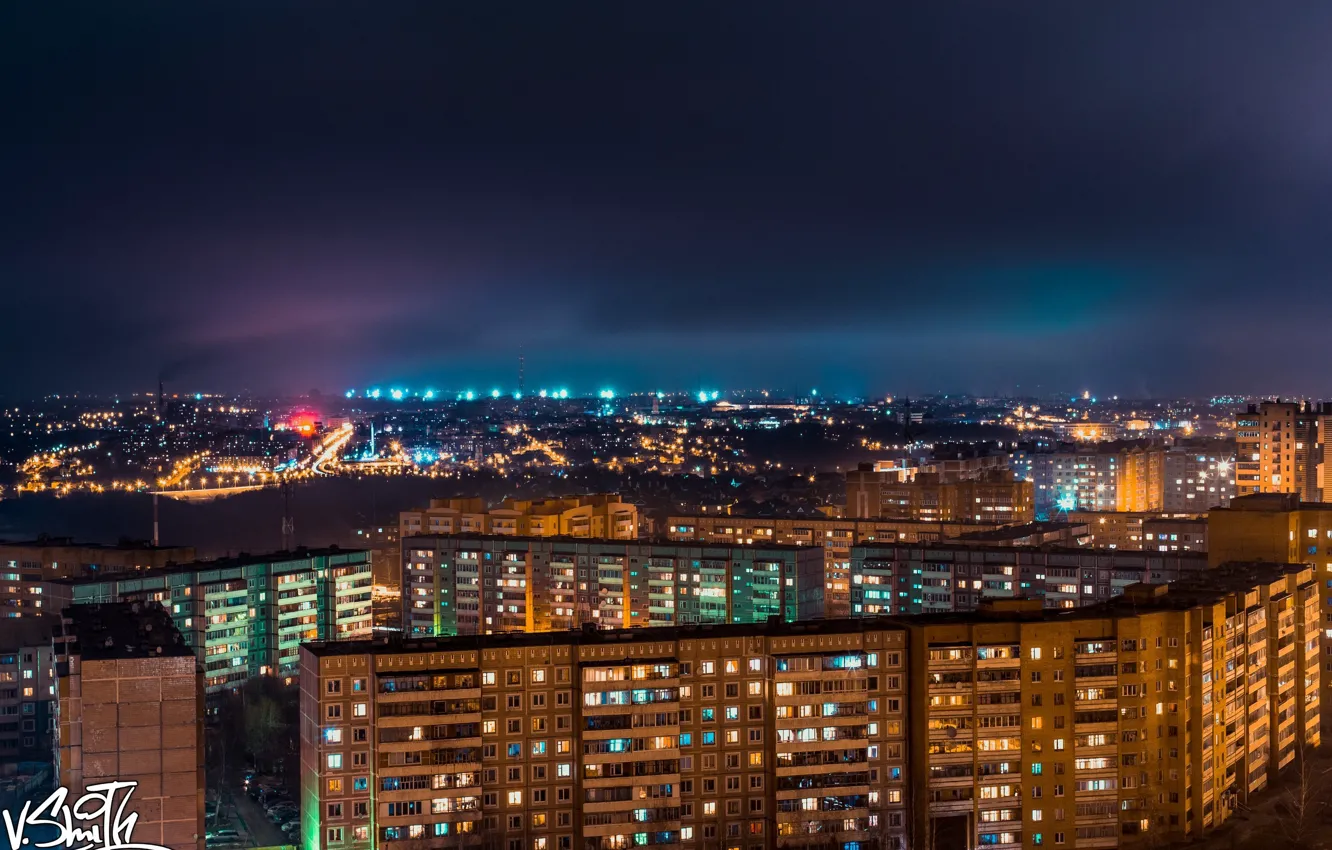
(1131, 198)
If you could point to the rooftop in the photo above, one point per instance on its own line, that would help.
(1273, 503)
(1017, 532)
(605, 542)
(241, 560)
(70, 543)
(1198, 589)
(122, 630)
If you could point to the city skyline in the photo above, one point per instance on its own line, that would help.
(917, 199)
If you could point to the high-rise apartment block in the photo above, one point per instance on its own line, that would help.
(1150, 717)
(460, 585)
(25, 567)
(247, 616)
(1158, 532)
(1198, 476)
(1277, 527)
(1153, 715)
(1276, 450)
(1135, 476)
(131, 710)
(598, 516)
(27, 692)
(710, 737)
(947, 577)
(990, 495)
(834, 537)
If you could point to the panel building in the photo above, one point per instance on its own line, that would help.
(1275, 449)
(131, 710)
(1152, 716)
(1148, 718)
(834, 537)
(989, 495)
(1277, 527)
(943, 577)
(599, 516)
(247, 616)
(461, 585)
(1137, 476)
(26, 566)
(710, 737)
(27, 692)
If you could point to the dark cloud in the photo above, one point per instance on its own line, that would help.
(868, 196)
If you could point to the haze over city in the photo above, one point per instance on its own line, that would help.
(752, 194)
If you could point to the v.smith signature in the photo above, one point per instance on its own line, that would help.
(93, 822)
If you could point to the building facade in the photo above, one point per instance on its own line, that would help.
(1277, 527)
(710, 737)
(947, 577)
(27, 692)
(990, 495)
(834, 537)
(1275, 450)
(461, 585)
(598, 516)
(1010, 727)
(1199, 476)
(26, 567)
(247, 616)
(131, 710)
(1146, 719)
(1129, 530)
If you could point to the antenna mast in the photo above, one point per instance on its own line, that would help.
(288, 526)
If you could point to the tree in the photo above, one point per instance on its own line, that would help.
(265, 732)
(1302, 801)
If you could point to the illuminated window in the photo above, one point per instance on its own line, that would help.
(515, 798)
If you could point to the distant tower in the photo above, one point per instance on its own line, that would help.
(521, 363)
(906, 419)
(161, 399)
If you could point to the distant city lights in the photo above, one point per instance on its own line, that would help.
(494, 393)
(542, 393)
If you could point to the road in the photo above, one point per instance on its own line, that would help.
(332, 449)
(253, 823)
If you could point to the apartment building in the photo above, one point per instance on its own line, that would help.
(598, 516)
(26, 566)
(834, 537)
(989, 495)
(1175, 534)
(1277, 527)
(27, 692)
(1199, 475)
(131, 710)
(461, 585)
(736, 736)
(1275, 446)
(1152, 716)
(946, 577)
(1137, 476)
(247, 616)
(1148, 718)
(1125, 529)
